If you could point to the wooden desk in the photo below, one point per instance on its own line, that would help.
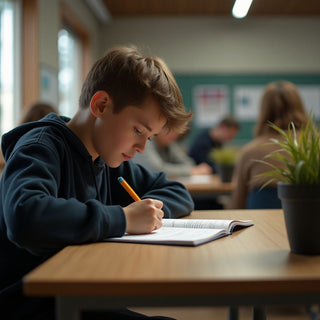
(253, 266)
(206, 184)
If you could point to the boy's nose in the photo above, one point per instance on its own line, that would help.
(141, 146)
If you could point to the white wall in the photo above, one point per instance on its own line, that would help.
(49, 25)
(91, 23)
(224, 45)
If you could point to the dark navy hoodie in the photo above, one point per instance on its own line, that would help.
(52, 195)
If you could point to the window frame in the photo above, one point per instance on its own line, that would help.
(30, 52)
(10, 117)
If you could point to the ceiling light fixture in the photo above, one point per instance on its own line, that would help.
(241, 8)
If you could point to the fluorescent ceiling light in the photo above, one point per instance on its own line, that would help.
(241, 8)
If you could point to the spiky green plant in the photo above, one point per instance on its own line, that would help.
(298, 154)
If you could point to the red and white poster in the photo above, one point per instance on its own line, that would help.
(211, 104)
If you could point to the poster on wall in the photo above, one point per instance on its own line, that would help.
(310, 95)
(247, 101)
(49, 85)
(211, 104)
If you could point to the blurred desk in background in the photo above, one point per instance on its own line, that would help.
(206, 184)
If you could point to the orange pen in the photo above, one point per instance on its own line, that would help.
(126, 186)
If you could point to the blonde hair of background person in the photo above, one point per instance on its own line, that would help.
(35, 112)
(280, 104)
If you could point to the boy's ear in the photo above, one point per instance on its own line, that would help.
(99, 101)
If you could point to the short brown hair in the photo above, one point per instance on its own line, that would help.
(230, 122)
(129, 77)
(281, 104)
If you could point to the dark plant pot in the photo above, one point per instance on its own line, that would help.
(225, 172)
(301, 207)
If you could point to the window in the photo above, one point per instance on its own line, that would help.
(74, 60)
(70, 72)
(9, 65)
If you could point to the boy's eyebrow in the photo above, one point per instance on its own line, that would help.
(145, 125)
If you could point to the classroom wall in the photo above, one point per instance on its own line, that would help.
(91, 23)
(204, 45)
(49, 26)
(226, 51)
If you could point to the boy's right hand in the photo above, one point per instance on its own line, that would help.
(144, 216)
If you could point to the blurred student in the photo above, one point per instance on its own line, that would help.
(281, 104)
(216, 137)
(35, 112)
(59, 186)
(164, 153)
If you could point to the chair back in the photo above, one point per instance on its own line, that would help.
(266, 198)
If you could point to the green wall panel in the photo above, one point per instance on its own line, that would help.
(187, 82)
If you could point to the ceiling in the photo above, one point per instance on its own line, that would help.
(138, 8)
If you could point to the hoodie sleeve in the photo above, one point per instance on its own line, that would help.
(177, 201)
(39, 217)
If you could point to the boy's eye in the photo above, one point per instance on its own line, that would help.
(150, 138)
(137, 131)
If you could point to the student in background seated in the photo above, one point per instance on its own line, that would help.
(35, 112)
(163, 153)
(281, 104)
(216, 137)
(59, 186)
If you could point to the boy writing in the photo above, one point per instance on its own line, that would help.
(60, 187)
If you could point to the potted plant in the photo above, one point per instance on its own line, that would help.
(225, 160)
(298, 176)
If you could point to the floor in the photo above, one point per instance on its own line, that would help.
(221, 313)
